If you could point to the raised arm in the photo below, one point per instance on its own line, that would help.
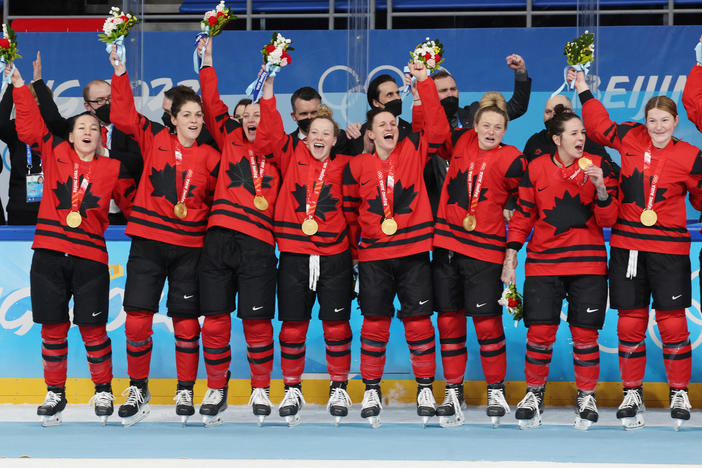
(519, 102)
(692, 95)
(217, 118)
(30, 126)
(270, 134)
(436, 129)
(49, 111)
(598, 124)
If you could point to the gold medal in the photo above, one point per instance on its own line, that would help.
(180, 210)
(310, 227)
(260, 203)
(584, 162)
(389, 226)
(648, 217)
(74, 219)
(469, 222)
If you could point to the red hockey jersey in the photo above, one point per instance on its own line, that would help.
(233, 206)
(60, 162)
(153, 214)
(300, 170)
(567, 219)
(504, 168)
(363, 204)
(681, 173)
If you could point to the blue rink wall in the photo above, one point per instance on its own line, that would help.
(634, 64)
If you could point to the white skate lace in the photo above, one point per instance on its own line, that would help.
(293, 396)
(496, 397)
(632, 398)
(213, 396)
(52, 399)
(134, 396)
(259, 396)
(339, 397)
(101, 399)
(370, 399)
(680, 400)
(425, 398)
(184, 397)
(530, 401)
(586, 402)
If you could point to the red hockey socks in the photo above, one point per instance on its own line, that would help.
(586, 358)
(99, 350)
(54, 352)
(419, 333)
(216, 334)
(452, 337)
(375, 334)
(187, 349)
(677, 352)
(259, 351)
(493, 356)
(337, 337)
(539, 350)
(631, 331)
(292, 350)
(138, 330)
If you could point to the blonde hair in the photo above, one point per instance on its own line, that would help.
(492, 101)
(324, 112)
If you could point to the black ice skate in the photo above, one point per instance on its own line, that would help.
(529, 410)
(260, 402)
(136, 407)
(630, 411)
(213, 406)
(585, 410)
(339, 401)
(184, 403)
(371, 406)
(291, 406)
(497, 404)
(449, 412)
(679, 407)
(426, 404)
(102, 401)
(54, 404)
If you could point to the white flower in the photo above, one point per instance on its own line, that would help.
(4, 30)
(117, 20)
(592, 47)
(283, 62)
(210, 14)
(431, 63)
(221, 6)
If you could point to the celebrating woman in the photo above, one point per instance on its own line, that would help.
(650, 245)
(388, 207)
(566, 198)
(315, 260)
(167, 226)
(70, 257)
(239, 253)
(469, 245)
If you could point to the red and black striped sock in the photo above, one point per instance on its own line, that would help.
(375, 333)
(292, 339)
(138, 329)
(419, 333)
(216, 334)
(586, 358)
(98, 347)
(493, 352)
(677, 351)
(54, 352)
(539, 350)
(337, 337)
(631, 331)
(259, 351)
(187, 348)
(452, 337)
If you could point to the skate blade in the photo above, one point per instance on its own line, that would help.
(212, 421)
(103, 420)
(48, 421)
(677, 423)
(425, 420)
(630, 424)
(526, 424)
(260, 419)
(582, 424)
(374, 421)
(495, 421)
(184, 420)
(337, 420)
(141, 414)
(451, 421)
(293, 420)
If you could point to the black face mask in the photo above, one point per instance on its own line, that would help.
(450, 105)
(304, 125)
(167, 122)
(394, 107)
(103, 113)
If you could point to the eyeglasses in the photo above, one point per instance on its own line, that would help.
(101, 101)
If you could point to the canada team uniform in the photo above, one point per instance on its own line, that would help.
(238, 259)
(315, 260)
(566, 257)
(70, 257)
(167, 225)
(387, 205)
(649, 253)
(469, 247)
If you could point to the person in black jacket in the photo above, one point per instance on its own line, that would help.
(540, 143)
(23, 160)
